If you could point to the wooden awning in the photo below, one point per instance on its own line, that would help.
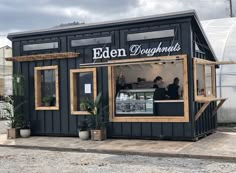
(160, 59)
(203, 61)
(43, 56)
(206, 103)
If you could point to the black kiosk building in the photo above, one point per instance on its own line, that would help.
(62, 66)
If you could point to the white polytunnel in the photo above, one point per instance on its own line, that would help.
(222, 36)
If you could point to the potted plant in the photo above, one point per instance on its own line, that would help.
(13, 116)
(25, 129)
(82, 105)
(98, 133)
(47, 100)
(83, 130)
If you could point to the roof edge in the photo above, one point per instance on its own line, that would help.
(103, 24)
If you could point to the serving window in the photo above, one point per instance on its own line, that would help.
(136, 96)
(46, 88)
(83, 88)
(204, 80)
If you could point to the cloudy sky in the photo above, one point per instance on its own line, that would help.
(22, 15)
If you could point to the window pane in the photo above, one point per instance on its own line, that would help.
(208, 78)
(150, 35)
(84, 89)
(138, 93)
(41, 46)
(91, 41)
(48, 90)
(200, 80)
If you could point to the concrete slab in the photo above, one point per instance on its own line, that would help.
(220, 145)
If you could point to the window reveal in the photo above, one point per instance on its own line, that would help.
(46, 88)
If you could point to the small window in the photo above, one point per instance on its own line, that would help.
(83, 88)
(40, 46)
(150, 35)
(46, 88)
(204, 80)
(91, 41)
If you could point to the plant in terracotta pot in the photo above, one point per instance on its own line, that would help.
(13, 116)
(83, 130)
(25, 129)
(47, 101)
(98, 132)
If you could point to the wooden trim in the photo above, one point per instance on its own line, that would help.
(213, 77)
(145, 118)
(150, 119)
(224, 62)
(204, 79)
(185, 96)
(73, 94)
(210, 100)
(199, 113)
(206, 103)
(174, 57)
(218, 106)
(202, 61)
(132, 61)
(43, 56)
(110, 94)
(37, 87)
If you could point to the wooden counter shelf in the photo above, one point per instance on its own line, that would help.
(206, 103)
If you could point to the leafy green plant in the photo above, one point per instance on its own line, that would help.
(93, 107)
(18, 85)
(47, 99)
(25, 125)
(83, 125)
(83, 104)
(13, 115)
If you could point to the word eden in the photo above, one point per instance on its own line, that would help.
(99, 53)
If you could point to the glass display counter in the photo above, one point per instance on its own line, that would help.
(134, 101)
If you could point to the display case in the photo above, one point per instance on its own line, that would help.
(134, 101)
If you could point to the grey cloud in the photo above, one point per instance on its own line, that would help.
(29, 14)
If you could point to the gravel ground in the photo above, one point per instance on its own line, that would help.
(26, 160)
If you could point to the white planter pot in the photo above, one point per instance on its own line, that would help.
(25, 133)
(84, 135)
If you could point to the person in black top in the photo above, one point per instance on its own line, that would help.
(173, 89)
(157, 82)
(120, 82)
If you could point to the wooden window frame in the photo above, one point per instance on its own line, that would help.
(200, 98)
(37, 88)
(73, 97)
(145, 118)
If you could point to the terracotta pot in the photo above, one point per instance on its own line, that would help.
(84, 135)
(25, 133)
(98, 135)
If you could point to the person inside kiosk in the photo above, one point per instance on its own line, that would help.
(137, 94)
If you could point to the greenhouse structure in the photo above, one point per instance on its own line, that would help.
(222, 36)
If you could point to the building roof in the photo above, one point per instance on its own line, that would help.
(175, 15)
(222, 36)
(7, 47)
